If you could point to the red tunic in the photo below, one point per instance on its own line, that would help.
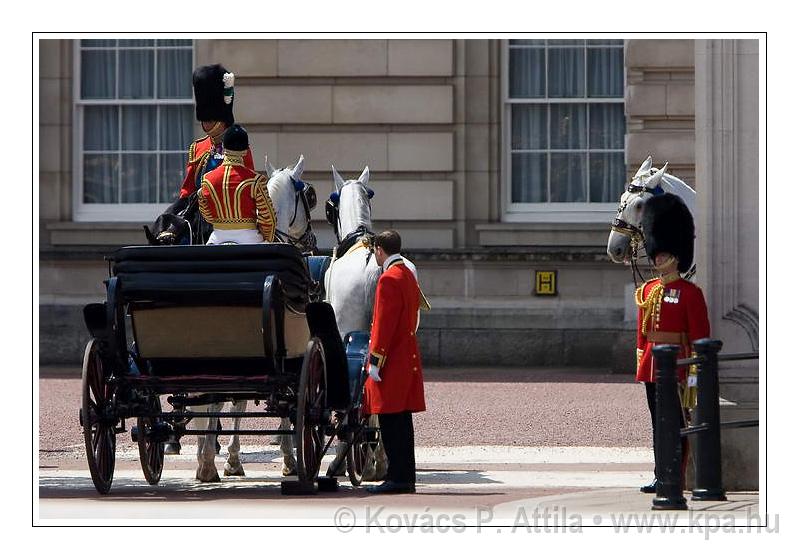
(674, 313)
(199, 152)
(235, 197)
(393, 345)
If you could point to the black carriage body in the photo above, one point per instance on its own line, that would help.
(211, 313)
(217, 322)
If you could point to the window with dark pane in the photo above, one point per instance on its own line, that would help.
(137, 118)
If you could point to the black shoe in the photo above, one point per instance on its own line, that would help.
(389, 487)
(649, 488)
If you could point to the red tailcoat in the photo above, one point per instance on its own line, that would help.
(235, 197)
(199, 152)
(670, 313)
(393, 345)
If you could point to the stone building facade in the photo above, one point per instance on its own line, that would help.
(431, 120)
(427, 117)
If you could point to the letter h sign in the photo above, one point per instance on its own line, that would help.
(546, 284)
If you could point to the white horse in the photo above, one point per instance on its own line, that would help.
(626, 229)
(292, 216)
(352, 279)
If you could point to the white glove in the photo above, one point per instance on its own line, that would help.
(373, 372)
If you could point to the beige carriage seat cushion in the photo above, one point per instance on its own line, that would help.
(211, 332)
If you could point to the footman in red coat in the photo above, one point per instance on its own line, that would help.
(394, 389)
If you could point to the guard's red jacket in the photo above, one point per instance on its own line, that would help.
(393, 345)
(669, 313)
(199, 152)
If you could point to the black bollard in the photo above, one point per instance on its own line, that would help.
(707, 449)
(669, 491)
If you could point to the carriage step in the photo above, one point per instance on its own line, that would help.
(328, 484)
(297, 488)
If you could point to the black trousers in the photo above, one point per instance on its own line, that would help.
(650, 389)
(397, 431)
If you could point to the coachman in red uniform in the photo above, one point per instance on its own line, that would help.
(394, 389)
(671, 310)
(213, 93)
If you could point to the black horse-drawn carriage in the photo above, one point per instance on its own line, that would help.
(209, 324)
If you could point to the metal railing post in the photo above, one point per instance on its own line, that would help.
(707, 448)
(669, 491)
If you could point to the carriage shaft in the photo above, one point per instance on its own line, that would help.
(239, 432)
(171, 415)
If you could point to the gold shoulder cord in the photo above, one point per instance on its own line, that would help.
(650, 305)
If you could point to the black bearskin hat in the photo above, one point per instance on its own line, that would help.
(235, 138)
(212, 96)
(668, 227)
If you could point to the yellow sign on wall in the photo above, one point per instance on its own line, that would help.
(546, 284)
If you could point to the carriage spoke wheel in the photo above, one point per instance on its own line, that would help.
(360, 450)
(98, 419)
(310, 424)
(151, 453)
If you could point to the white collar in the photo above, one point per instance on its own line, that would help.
(390, 260)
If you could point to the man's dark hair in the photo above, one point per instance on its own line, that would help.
(389, 241)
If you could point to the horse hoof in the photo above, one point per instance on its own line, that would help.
(238, 470)
(207, 476)
(289, 470)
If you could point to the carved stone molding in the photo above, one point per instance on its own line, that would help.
(727, 184)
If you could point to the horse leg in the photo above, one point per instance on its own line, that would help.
(206, 470)
(287, 448)
(233, 466)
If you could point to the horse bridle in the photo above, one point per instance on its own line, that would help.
(332, 211)
(305, 193)
(635, 233)
(625, 228)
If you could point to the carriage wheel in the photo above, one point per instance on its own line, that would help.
(360, 450)
(151, 453)
(310, 425)
(98, 419)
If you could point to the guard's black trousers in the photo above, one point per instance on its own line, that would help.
(650, 390)
(397, 431)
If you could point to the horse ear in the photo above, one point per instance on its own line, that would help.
(644, 168)
(268, 166)
(653, 182)
(298, 168)
(364, 178)
(338, 182)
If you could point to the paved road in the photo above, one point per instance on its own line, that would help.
(490, 440)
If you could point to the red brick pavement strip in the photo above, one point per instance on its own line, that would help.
(536, 407)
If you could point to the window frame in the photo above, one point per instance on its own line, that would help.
(551, 212)
(115, 212)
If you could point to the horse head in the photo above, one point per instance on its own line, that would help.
(349, 206)
(626, 228)
(293, 200)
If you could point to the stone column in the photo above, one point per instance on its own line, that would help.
(727, 129)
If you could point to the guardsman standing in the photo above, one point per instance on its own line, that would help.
(234, 199)
(671, 310)
(213, 94)
(394, 389)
